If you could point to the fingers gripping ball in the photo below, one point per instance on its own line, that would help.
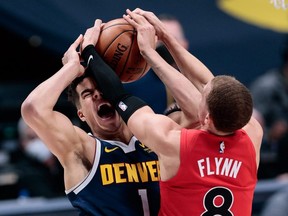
(117, 45)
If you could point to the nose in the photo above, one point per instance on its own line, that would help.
(97, 94)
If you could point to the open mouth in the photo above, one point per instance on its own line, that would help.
(105, 111)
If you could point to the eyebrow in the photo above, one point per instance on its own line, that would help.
(84, 91)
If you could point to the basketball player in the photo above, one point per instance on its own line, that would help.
(108, 172)
(209, 171)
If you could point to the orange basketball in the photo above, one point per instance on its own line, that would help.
(118, 47)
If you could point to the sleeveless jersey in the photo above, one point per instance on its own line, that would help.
(217, 176)
(124, 180)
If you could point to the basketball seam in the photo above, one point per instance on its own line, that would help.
(116, 24)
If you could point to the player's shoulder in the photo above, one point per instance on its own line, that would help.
(255, 132)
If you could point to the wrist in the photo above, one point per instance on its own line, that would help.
(87, 51)
(166, 37)
(74, 67)
(128, 105)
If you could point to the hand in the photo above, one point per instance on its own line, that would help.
(153, 20)
(146, 37)
(92, 34)
(72, 56)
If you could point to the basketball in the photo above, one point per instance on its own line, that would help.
(117, 45)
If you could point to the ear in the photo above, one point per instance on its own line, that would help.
(207, 119)
(81, 115)
(210, 121)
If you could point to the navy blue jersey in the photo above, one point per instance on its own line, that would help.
(124, 180)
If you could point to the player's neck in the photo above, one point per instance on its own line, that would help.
(213, 130)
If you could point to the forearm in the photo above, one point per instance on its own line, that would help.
(183, 91)
(187, 63)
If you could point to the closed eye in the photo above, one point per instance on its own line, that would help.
(86, 93)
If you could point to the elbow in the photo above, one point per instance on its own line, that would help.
(29, 110)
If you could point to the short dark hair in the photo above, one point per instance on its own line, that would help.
(73, 96)
(229, 103)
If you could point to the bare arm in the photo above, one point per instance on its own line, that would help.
(188, 64)
(54, 128)
(183, 91)
(255, 132)
(161, 134)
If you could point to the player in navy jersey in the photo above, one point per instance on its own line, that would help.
(109, 172)
(112, 174)
(128, 174)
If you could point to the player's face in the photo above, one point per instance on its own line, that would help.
(99, 114)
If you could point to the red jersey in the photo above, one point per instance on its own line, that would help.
(217, 176)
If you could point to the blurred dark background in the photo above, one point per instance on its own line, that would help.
(36, 33)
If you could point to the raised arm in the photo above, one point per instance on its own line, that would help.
(54, 128)
(183, 91)
(187, 63)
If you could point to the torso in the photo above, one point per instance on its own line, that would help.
(214, 170)
(124, 180)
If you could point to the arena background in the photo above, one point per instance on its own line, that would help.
(243, 38)
(36, 33)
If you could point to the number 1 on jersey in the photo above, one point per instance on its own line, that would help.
(143, 194)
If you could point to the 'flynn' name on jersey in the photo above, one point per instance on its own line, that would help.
(126, 172)
(219, 166)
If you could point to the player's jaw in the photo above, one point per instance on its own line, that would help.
(105, 111)
(107, 115)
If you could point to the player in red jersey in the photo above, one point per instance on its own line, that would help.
(216, 172)
(211, 170)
